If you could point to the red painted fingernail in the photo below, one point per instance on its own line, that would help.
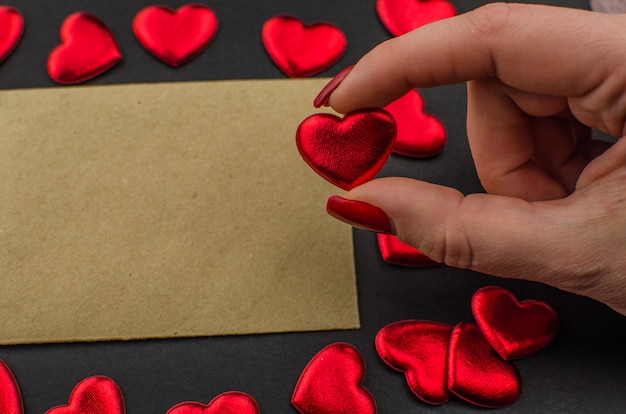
(323, 97)
(359, 214)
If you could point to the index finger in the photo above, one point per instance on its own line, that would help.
(540, 49)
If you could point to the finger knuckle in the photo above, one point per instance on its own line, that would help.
(489, 20)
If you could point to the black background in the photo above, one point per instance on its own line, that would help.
(583, 371)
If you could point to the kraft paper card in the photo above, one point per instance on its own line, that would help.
(166, 210)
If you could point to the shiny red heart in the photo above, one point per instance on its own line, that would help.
(402, 16)
(88, 49)
(93, 395)
(476, 373)
(227, 403)
(178, 36)
(11, 30)
(349, 151)
(332, 383)
(514, 329)
(301, 50)
(10, 396)
(420, 350)
(395, 251)
(419, 134)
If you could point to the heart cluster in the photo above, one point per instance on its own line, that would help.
(89, 48)
(438, 360)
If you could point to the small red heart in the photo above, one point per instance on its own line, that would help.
(93, 395)
(302, 50)
(10, 397)
(402, 16)
(419, 134)
(88, 49)
(349, 151)
(11, 30)
(395, 251)
(332, 383)
(233, 402)
(476, 373)
(178, 36)
(420, 350)
(514, 329)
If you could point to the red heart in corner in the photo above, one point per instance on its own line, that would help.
(93, 395)
(88, 49)
(402, 16)
(332, 383)
(11, 30)
(233, 402)
(10, 396)
(178, 36)
(514, 329)
(301, 50)
(349, 151)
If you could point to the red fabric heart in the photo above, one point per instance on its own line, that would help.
(402, 16)
(514, 329)
(11, 30)
(476, 373)
(93, 395)
(233, 402)
(349, 151)
(300, 50)
(420, 350)
(178, 36)
(10, 397)
(419, 134)
(395, 251)
(88, 49)
(331, 383)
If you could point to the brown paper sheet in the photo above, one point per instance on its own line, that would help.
(165, 210)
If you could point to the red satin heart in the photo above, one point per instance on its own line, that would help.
(10, 397)
(11, 30)
(332, 383)
(88, 49)
(395, 251)
(93, 395)
(402, 16)
(233, 402)
(419, 134)
(476, 373)
(302, 50)
(514, 329)
(178, 36)
(349, 151)
(420, 350)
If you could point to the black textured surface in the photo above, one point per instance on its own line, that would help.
(583, 371)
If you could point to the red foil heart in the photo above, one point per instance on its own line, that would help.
(395, 251)
(88, 49)
(10, 397)
(332, 383)
(349, 151)
(233, 402)
(11, 30)
(178, 36)
(420, 350)
(402, 16)
(476, 373)
(514, 329)
(93, 395)
(302, 50)
(420, 135)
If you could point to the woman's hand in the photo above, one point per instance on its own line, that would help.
(539, 78)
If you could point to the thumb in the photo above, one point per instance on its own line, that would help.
(497, 235)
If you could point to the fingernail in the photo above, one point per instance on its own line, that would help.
(359, 214)
(323, 97)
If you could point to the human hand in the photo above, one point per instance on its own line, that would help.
(539, 78)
